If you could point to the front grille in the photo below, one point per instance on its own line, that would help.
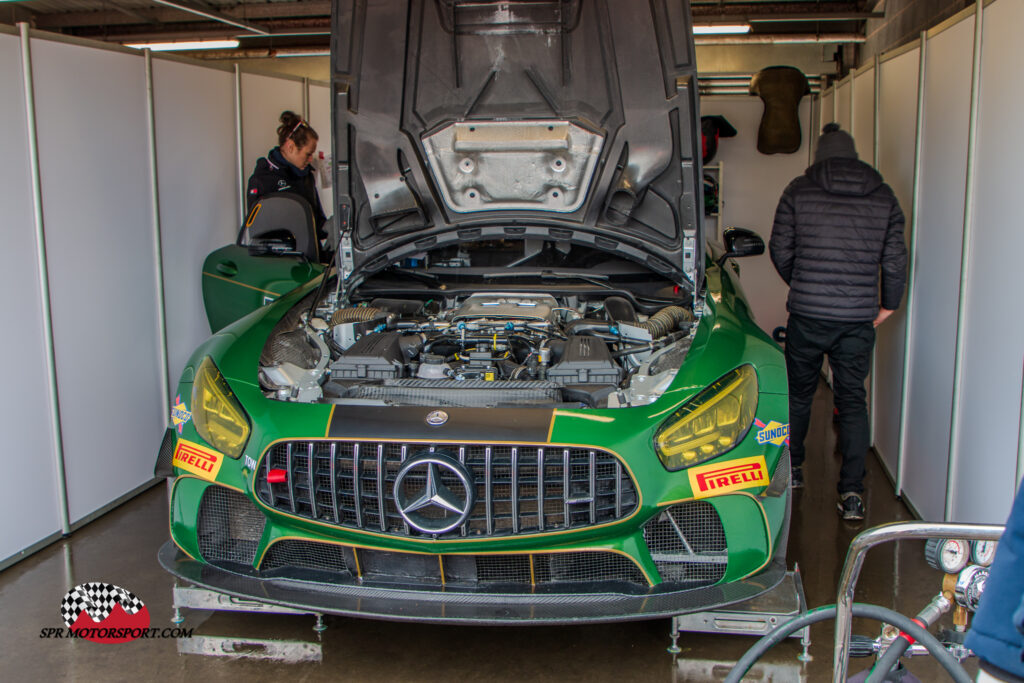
(351, 484)
(516, 571)
(687, 544)
(230, 526)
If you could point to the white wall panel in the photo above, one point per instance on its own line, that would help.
(863, 126)
(320, 118)
(198, 185)
(936, 287)
(985, 479)
(898, 125)
(843, 95)
(263, 100)
(752, 185)
(826, 113)
(30, 508)
(93, 145)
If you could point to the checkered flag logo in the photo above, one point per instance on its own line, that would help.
(98, 601)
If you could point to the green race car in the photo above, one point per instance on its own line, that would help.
(521, 390)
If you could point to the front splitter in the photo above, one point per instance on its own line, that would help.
(462, 607)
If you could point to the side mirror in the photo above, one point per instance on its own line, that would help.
(740, 242)
(273, 247)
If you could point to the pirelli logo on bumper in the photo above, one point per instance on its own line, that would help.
(199, 460)
(735, 475)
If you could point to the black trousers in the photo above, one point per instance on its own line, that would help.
(848, 346)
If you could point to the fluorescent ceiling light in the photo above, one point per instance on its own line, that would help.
(187, 45)
(720, 29)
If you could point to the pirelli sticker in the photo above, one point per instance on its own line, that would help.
(199, 460)
(735, 475)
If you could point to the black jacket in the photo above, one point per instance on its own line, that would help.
(835, 228)
(274, 174)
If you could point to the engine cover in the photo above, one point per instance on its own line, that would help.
(500, 306)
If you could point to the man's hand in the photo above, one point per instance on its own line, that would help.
(883, 313)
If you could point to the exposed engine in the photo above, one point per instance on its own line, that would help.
(486, 349)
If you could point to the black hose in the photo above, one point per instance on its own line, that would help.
(877, 612)
(887, 661)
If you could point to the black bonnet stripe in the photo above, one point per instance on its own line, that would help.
(526, 425)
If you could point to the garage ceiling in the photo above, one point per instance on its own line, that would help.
(289, 27)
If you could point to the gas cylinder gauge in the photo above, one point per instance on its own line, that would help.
(983, 552)
(970, 585)
(948, 554)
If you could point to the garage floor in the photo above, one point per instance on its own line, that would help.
(121, 548)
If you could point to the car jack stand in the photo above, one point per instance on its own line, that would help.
(289, 651)
(755, 617)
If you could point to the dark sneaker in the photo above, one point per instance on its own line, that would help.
(796, 478)
(851, 506)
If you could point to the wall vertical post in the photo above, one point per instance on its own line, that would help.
(158, 253)
(238, 143)
(965, 260)
(874, 162)
(901, 453)
(44, 277)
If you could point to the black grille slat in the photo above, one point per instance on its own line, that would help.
(519, 490)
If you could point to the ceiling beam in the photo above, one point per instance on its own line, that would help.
(781, 39)
(209, 14)
(261, 11)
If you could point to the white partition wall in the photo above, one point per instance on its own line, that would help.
(100, 230)
(896, 135)
(751, 186)
(31, 507)
(195, 127)
(263, 100)
(937, 266)
(863, 125)
(99, 241)
(844, 93)
(826, 113)
(987, 471)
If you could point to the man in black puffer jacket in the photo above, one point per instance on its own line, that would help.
(837, 241)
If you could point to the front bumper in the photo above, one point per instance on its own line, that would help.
(397, 603)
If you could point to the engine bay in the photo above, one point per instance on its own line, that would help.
(481, 349)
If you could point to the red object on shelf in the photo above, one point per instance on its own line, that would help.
(277, 476)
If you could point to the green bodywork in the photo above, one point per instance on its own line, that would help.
(236, 282)
(726, 337)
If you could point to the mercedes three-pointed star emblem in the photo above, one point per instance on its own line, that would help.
(429, 505)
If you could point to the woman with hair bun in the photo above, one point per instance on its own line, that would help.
(286, 168)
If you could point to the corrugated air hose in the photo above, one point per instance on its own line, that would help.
(664, 321)
(355, 315)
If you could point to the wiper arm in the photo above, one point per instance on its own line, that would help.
(428, 278)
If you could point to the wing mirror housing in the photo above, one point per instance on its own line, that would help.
(740, 242)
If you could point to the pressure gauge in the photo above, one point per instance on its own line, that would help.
(970, 585)
(983, 552)
(948, 554)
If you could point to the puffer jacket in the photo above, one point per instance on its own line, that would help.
(997, 630)
(836, 228)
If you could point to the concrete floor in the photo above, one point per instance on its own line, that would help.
(121, 548)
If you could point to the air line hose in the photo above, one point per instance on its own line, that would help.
(876, 612)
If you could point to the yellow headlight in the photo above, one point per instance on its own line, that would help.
(217, 415)
(710, 423)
